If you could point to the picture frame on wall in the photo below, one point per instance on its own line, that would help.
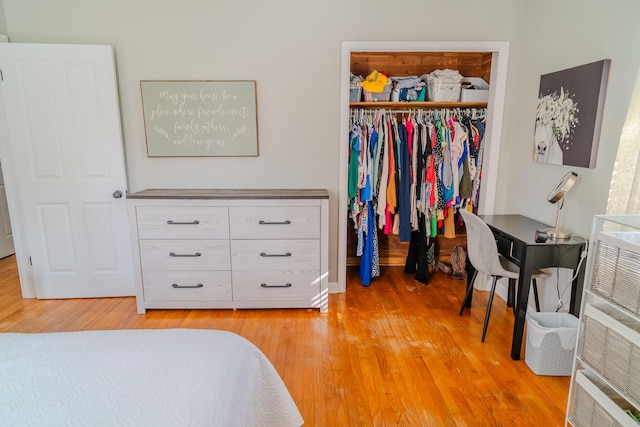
(569, 115)
(200, 118)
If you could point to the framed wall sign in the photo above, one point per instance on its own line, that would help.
(200, 118)
(569, 115)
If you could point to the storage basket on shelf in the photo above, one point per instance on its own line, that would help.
(474, 89)
(609, 348)
(376, 87)
(443, 85)
(596, 404)
(355, 93)
(615, 271)
(408, 89)
(383, 96)
(355, 89)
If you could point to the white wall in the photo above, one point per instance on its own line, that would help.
(3, 22)
(559, 35)
(290, 47)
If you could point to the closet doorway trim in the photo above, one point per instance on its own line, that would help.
(493, 135)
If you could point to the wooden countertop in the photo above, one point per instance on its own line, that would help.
(176, 193)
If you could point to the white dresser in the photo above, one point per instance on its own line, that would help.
(230, 248)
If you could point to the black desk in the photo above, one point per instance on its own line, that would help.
(515, 237)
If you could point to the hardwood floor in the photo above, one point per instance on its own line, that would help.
(393, 354)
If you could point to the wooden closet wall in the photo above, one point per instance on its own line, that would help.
(398, 64)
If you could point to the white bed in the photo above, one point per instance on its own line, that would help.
(165, 377)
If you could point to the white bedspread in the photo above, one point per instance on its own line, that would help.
(168, 377)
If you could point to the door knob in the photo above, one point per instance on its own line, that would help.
(117, 194)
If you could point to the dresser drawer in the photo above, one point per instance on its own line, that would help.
(275, 254)
(508, 246)
(180, 222)
(275, 222)
(276, 285)
(187, 285)
(184, 255)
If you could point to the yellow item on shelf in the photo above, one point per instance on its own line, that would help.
(375, 82)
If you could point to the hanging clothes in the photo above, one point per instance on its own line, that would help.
(404, 179)
(408, 174)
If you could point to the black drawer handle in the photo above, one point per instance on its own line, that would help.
(184, 255)
(286, 222)
(176, 286)
(171, 222)
(275, 255)
(286, 285)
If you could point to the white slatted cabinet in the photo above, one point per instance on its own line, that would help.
(606, 373)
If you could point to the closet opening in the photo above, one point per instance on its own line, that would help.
(481, 60)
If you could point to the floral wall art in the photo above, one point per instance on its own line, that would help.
(569, 115)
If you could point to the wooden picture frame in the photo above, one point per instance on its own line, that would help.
(200, 118)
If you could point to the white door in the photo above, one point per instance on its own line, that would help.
(6, 238)
(65, 141)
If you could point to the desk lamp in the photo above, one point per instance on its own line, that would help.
(557, 197)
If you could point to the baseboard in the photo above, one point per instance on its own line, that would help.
(333, 288)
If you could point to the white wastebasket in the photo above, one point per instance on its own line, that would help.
(551, 341)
